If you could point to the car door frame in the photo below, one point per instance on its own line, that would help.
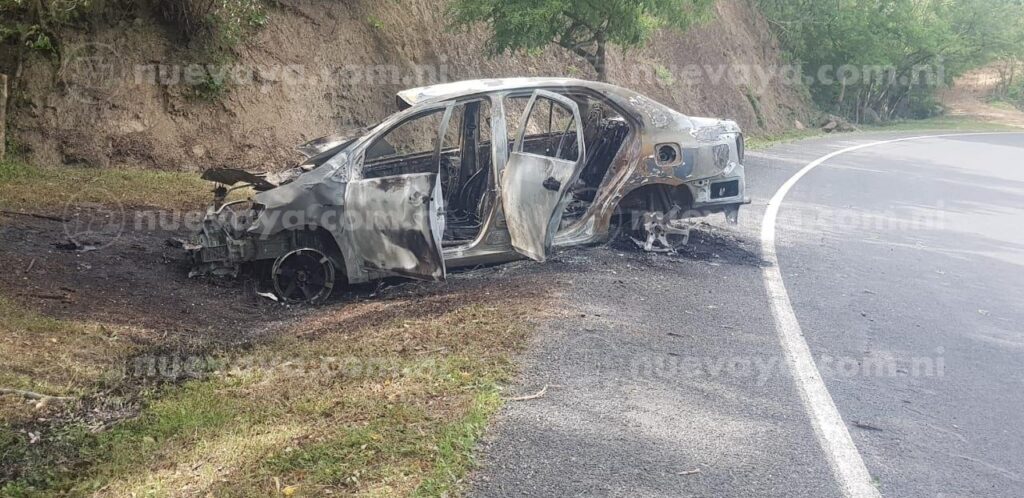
(518, 221)
(398, 240)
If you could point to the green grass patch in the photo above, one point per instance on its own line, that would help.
(77, 460)
(29, 187)
(945, 123)
(952, 123)
(1003, 104)
(455, 450)
(664, 75)
(279, 419)
(764, 141)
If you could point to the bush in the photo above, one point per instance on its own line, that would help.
(220, 24)
(897, 52)
(27, 25)
(1015, 94)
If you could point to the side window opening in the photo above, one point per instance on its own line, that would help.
(604, 131)
(550, 128)
(406, 148)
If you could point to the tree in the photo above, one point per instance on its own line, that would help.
(584, 27)
(874, 52)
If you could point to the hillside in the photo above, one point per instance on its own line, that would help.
(970, 98)
(319, 66)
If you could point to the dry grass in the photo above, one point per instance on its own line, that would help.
(374, 399)
(26, 187)
(55, 357)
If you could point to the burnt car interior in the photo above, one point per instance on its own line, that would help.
(604, 129)
(464, 160)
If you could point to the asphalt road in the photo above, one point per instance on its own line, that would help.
(904, 264)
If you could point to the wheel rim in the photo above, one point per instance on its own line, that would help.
(303, 276)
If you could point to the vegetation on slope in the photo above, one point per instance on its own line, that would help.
(581, 27)
(875, 60)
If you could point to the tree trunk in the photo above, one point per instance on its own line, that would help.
(601, 61)
(3, 115)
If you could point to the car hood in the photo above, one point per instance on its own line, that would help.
(335, 141)
(233, 176)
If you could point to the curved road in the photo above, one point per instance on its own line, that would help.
(904, 266)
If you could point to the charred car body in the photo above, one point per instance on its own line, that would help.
(471, 173)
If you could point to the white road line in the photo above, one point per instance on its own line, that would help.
(833, 436)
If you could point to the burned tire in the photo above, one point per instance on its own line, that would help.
(303, 276)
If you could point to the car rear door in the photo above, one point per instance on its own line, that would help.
(546, 159)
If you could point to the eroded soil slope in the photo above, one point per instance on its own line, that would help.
(320, 66)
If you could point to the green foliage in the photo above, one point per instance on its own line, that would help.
(664, 75)
(896, 52)
(34, 24)
(210, 89)
(375, 22)
(581, 26)
(1009, 90)
(1015, 94)
(211, 29)
(217, 24)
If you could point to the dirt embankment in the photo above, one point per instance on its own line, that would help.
(122, 96)
(969, 98)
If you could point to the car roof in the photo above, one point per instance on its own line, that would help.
(444, 91)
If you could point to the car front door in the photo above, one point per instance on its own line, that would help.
(395, 214)
(547, 157)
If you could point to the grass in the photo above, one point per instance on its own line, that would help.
(764, 141)
(375, 23)
(43, 188)
(372, 399)
(338, 403)
(1003, 104)
(52, 356)
(944, 123)
(951, 123)
(664, 75)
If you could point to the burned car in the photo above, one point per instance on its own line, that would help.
(470, 173)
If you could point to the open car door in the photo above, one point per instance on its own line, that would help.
(546, 160)
(396, 224)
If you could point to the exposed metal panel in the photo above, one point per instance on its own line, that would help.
(395, 226)
(532, 211)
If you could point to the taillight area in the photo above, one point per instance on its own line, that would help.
(721, 155)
